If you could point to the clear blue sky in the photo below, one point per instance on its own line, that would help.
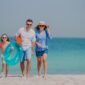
(65, 17)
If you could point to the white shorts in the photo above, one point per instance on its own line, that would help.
(26, 55)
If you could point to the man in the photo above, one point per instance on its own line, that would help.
(28, 39)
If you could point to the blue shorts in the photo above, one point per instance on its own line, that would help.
(26, 55)
(40, 53)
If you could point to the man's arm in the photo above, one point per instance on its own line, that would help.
(33, 47)
(18, 37)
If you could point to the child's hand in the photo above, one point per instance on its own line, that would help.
(12, 48)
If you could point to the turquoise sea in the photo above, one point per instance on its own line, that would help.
(66, 56)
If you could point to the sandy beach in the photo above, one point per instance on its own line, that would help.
(50, 80)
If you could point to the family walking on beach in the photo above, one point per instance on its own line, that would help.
(30, 40)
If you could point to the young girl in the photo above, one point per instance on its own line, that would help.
(42, 36)
(3, 44)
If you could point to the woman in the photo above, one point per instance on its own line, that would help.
(42, 36)
(3, 44)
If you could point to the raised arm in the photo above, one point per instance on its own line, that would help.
(48, 33)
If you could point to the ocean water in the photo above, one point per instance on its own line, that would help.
(65, 56)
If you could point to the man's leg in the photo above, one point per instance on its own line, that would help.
(28, 67)
(22, 67)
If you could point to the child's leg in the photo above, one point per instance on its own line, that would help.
(2, 65)
(2, 74)
(6, 70)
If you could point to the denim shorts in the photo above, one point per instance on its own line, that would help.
(40, 53)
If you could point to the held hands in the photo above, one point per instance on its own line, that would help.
(39, 45)
(32, 53)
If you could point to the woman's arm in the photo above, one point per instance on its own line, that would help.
(48, 33)
(38, 44)
(33, 47)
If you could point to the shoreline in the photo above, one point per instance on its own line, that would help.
(50, 80)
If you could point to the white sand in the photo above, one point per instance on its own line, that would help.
(50, 80)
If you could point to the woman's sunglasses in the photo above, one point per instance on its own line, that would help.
(41, 25)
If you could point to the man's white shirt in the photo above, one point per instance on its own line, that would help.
(27, 37)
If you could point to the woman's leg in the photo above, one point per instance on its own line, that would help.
(39, 61)
(45, 64)
(6, 70)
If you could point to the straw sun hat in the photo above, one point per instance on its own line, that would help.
(42, 23)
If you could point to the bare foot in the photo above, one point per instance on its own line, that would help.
(45, 76)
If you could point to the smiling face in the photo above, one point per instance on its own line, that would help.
(29, 23)
(4, 38)
(41, 26)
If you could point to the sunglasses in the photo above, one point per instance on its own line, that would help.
(4, 37)
(41, 25)
(29, 24)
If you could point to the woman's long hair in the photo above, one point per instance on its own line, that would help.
(3, 35)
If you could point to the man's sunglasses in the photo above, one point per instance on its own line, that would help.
(29, 24)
